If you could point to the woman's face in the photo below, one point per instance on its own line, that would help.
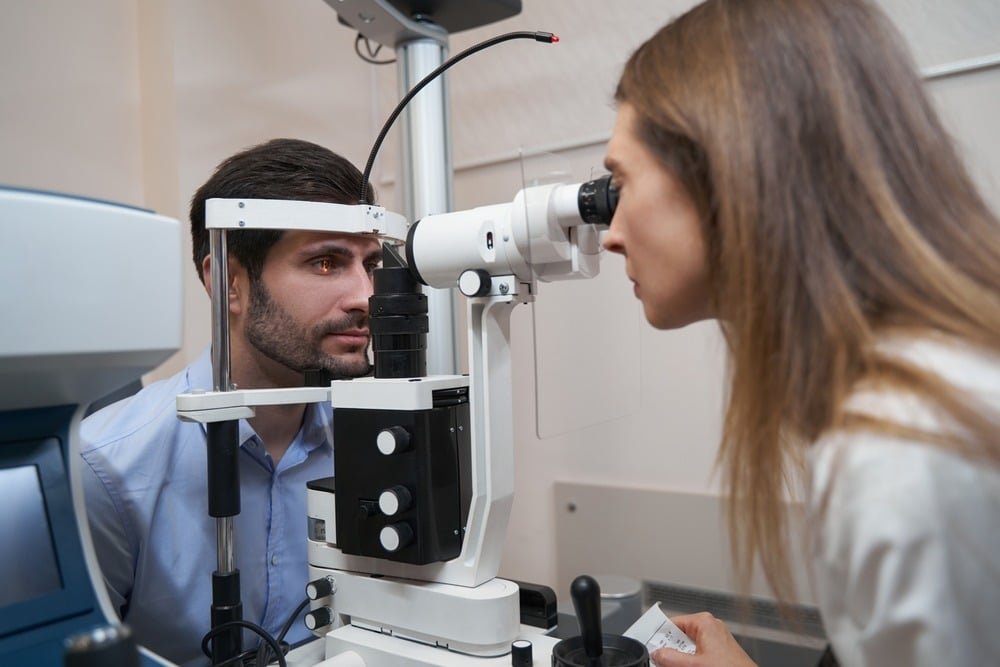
(656, 228)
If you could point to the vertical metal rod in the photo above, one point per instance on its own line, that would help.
(225, 555)
(219, 253)
(221, 377)
(427, 178)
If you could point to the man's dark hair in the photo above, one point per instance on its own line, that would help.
(277, 169)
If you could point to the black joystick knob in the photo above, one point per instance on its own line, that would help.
(586, 594)
(592, 648)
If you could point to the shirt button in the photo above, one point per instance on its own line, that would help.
(274, 559)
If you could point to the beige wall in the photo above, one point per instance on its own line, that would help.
(70, 100)
(138, 100)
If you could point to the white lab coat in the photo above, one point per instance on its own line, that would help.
(905, 537)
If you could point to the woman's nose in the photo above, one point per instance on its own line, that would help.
(613, 240)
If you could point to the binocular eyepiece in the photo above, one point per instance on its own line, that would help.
(533, 231)
(597, 201)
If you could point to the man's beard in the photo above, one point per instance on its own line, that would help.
(275, 334)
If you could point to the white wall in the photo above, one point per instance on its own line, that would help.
(138, 100)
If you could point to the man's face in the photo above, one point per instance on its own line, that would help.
(309, 309)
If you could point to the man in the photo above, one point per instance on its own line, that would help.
(297, 300)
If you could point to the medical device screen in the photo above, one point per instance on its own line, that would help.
(27, 555)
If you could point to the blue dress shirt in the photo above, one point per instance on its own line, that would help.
(144, 479)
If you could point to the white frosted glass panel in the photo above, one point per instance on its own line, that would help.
(586, 351)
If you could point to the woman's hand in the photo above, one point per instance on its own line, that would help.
(716, 645)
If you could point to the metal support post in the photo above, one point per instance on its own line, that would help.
(427, 178)
(223, 466)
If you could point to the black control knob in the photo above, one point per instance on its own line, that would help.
(320, 588)
(521, 654)
(319, 618)
(395, 536)
(395, 500)
(393, 440)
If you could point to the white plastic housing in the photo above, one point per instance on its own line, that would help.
(91, 298)
(307, 215)
(536, 236)
(482, 621)
(492, 464)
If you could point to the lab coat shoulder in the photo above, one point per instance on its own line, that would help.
(905, 536)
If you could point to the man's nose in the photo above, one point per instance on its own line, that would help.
(359, 289)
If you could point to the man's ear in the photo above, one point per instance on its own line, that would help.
(206, 274)
(238, 282)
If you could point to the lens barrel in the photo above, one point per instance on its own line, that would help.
(597, 200)
(398, 320)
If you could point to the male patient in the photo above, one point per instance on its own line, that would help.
(297, 300)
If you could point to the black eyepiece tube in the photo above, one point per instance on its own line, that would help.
(597, 201)
(398, 320)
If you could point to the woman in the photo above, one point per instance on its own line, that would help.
(782, 170)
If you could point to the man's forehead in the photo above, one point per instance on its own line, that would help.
(297, 239)
(307, 235)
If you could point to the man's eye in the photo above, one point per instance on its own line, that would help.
(370, 268)
(323, 265)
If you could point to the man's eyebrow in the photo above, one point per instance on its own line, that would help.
(325, 248)
(335, 248)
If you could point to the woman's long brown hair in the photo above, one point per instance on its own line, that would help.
(836, 212)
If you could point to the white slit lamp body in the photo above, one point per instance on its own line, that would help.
(381, 611)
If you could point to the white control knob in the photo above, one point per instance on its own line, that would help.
(474, 282)
(395, 500)
(395, 537)
(393, 440)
